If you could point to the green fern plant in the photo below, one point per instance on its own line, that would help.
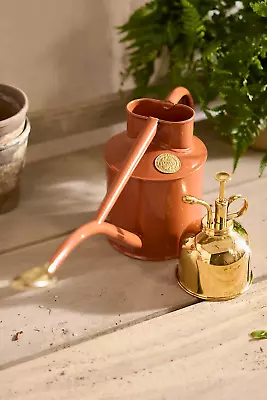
(216, 48)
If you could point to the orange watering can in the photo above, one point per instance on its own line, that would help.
(150, 167)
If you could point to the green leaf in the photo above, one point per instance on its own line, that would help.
(240, 146)
(192, 21)
(172, 31)
(263, 164)
(229, 63)
(210, 52)
(260, 7)
(259, 334)
(239, 228)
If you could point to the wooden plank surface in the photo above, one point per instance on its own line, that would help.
(99, 288)
(59, 194)
(203, 351)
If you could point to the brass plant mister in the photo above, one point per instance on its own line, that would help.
(215, 263)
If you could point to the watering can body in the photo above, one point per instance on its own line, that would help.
(151, 205)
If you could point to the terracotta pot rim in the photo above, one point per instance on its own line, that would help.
(24, 103)
(130, 106)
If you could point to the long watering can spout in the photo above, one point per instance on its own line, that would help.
(43, 276)
(39, 277)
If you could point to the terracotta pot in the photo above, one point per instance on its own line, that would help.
(12, 161)
(13, 108)
(260, 143)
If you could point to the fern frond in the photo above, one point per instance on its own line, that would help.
(260, 8)
(192, 22)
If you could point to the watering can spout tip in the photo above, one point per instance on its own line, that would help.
(34, 278)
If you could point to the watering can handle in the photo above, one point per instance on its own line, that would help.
(178, 94)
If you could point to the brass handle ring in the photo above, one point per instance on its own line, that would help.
(242, 210)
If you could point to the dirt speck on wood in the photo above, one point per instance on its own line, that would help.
(17, 336)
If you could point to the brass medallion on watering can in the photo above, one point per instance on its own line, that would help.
(167, 163)
(215, 264)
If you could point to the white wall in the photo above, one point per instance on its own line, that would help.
(62, 52)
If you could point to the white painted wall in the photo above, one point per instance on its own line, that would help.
(62, 52)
